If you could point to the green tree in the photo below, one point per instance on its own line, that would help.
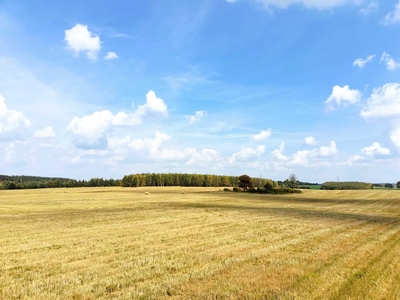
(245, 182)
(12, 186)
(292, 181)
(270, 185)
(398, 184)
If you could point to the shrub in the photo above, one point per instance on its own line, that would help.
(236, 189)
(304, 187)
(252, 190)
(286, 191)
(227, 190)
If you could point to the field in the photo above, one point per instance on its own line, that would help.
(104, 243)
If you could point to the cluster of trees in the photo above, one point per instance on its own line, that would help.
(349, 185)
(178, 179)
(269, 186)
(35, 182)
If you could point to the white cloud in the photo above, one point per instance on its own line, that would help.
(90, 132)
(151, 145)
(317, 4)
(153, 149)
(111, 55)
(394, 16)
(79, 38)
(352, 160)
(153, 105)
(328, 150)
(305, 157)
(343, 95)
(191, 78)
(359, 62)
(310, 141)
(301, 158)
(199, 114)
(375, 149)
(395, 137)
(264, 134)
(277, 153)
(383, 102)
(390, 63)
(369, 9)
(18, 155)
(246, 154)
(11, 120)
(47, 132)
(189, 155)
(231, 1)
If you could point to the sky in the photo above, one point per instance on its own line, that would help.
(228, 87)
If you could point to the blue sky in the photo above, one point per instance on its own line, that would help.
(263, 87)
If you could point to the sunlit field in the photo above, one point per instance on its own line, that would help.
(94, 243)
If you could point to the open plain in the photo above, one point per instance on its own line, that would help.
(104, 243)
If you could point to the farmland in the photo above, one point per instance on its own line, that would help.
(94, 243)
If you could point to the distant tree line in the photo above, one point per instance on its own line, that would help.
(36, 182)
(387, 185)
(349, 185)
(178, 179)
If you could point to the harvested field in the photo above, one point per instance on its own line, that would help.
(101, 243)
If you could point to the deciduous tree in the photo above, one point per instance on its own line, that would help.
(245, 182)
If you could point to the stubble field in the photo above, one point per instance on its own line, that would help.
(104, 243)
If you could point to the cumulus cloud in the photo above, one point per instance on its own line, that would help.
(11, 120)
(352, 160)
(47, 132)
(395, 137)
(263, 135)
(375, 149)
(342, 95)
(328, 150)
(199, 114)
(310, 141)
(154, 149)
(246, 154)
(305, 157)
(383, 102)
(301, 157)
(153, 106)
(359, 62)
(90, 132)
(277, 153)
(189, 155)
(151, 145)
(394, 16)
(390, 63)
(111, 55)
(79, 38)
